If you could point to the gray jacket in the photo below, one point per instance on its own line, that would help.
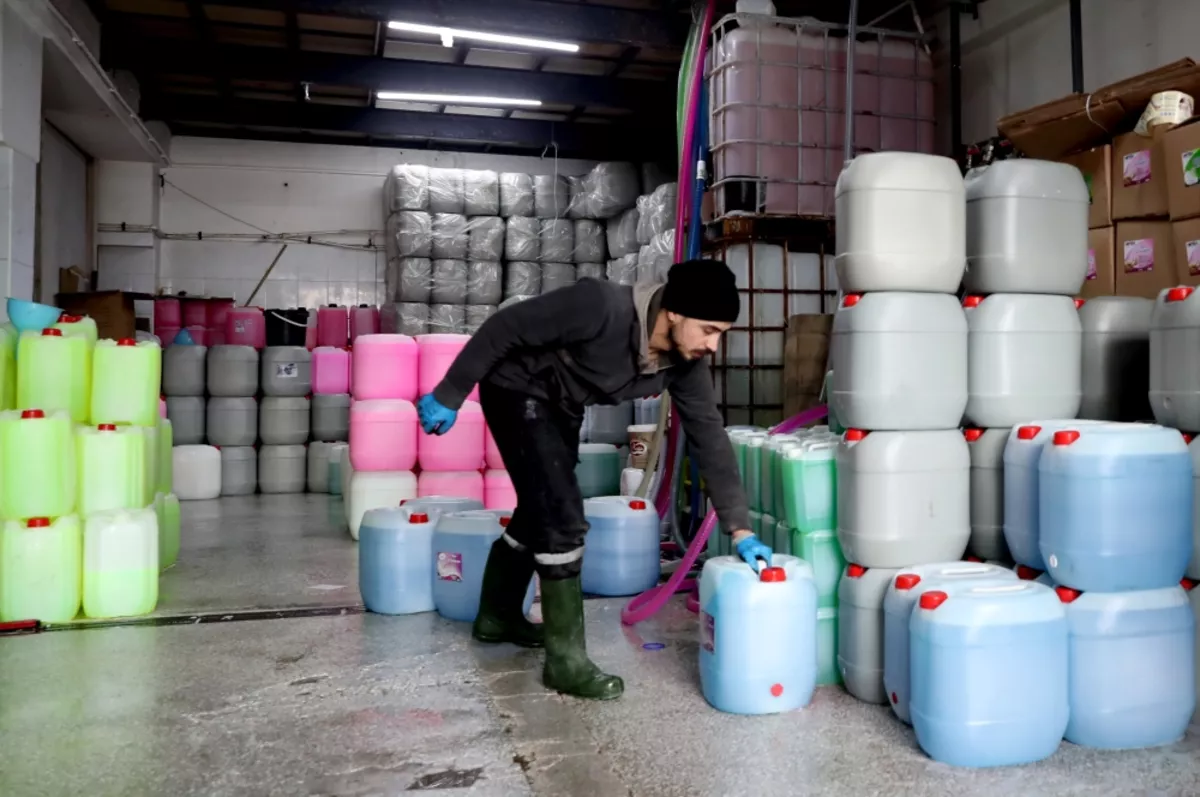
(589, 344)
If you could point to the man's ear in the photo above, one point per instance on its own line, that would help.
(674, 318)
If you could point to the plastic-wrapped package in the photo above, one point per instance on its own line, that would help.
(486, 238)
(522, 238)
(623, 270)
(485, 282)
(391, 280)
(644, 233)
(522, 278)
(445, 190)
(551, 196)
(516, 195)
(477, 314)
(450, 236)
(593, 270)
(414, 280)
(557, 241)
(621, 233)
(661, 208)
(449, 282)
(481, 193)
(411, 233)
(580, 204)
(511, 300)
(657, 257)
(404, 318)
(645, 265)
(589, 242)
(406, 188)
(557, 275)
(447, 319)
(611, 188)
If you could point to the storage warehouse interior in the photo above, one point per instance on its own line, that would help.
(242, 243)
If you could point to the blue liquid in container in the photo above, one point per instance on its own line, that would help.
(621, 555)
(395, 547)
(1116, 507)
(461, 544)
(989, 673)
(1132, 659)
(758, 635)
(828, 672)
(335, 475)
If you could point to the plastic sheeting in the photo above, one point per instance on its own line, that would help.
(485, 282)
(410, 233)
(590, 242)
(662, 208)
(406, 188)
(580, 204)
(404, 318)
(557, 275)
(593, 270)
(477, 314)
(611, 188)
(623, 270)
(414, 280)
(516, 195)
(656, 258)
(511, 300)
(486, 238)
(522, 279)
(621, 233)
(557, 241)
(551, 196)
(450, 236)
(449, 282)
(448, 318)
(445, 190)
(481, 193)
(522, 238)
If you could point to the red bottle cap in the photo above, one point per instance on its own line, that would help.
(1187, 584)
(37, 523)
(772, 575)
(69, 319)
(1028, 432)
(1065, 437)
(1066, 594)
(855, 571)
(972, 434)
(851, 299)
(1188, 438)
(126, 342)
(1027, 573)
(854, 435)
(1180, 293)
(27, 414)
(907, 580)
(51, 332)
(504, 521)
(418, 517)
(1080, 303)
(933, 599)
(777, 690)
(107, 427)
(972, 301)
(637, 504)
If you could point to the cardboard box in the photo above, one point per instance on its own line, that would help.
(1145, 258)
(805, 357)
(113, 311)
(1101, 276)
(1139, 175)
(1187, 251)
(1096, 166)
(1181, 158)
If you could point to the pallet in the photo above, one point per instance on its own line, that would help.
(798, 233)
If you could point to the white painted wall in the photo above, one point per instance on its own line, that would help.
(62, 205)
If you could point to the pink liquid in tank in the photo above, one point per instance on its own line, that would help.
(166, 335)
(216, 337)
(330, 370)
(498, 491)
(364, 320)
(459, 449)
(462, 484)
(218, 312)
(245, 326)
(384, 367)
(167, 313)
(195, 313)
(491, 454)
(437, 355)
(333, 326)
(383, 435)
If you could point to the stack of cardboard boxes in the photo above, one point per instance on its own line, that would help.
(1145, 217)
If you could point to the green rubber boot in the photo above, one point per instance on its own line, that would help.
(502, 597)
(568, 668)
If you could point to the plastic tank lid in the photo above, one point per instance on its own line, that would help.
(855, 435)
(1067, 595)
(1026, 573)
(933, 599)
(27, 414)
(1065, 437)
(972, 434)
(418, 517)
(638, 504)
(37, 523)
(126, 342)
(1028, 432)
(69, 319)
(851, 299)
(907, 580)
(972, 302)
(1187, 584)
(505, 520)
(772, 575)
(1080, 303)
(51, 332)
(855, 571)
(106, 427)
(1179, 293)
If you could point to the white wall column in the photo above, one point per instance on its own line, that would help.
(127, 202)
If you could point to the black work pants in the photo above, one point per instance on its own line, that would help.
(540, 446)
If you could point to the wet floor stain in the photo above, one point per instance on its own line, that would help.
(449, 779)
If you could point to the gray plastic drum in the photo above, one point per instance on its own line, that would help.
(286, 371)
(987, 493)
(331, 417)
(1116, 358)
(282, 469)
(186, 414)
(860, 630)
(283, 421)
(318, 466)
(232, 371)
(239, 470)
(232, 421)
(183, 371)
(610, 424)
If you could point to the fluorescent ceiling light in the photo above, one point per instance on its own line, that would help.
(448, 35)
(454, 99)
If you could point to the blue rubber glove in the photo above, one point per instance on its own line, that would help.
(435, 419)
(751, 549)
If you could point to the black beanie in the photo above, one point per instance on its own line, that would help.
(702, 289)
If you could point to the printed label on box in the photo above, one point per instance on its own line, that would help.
(1193, 257)
(1139, 255)
(1091, 264)
(286, 370)
(1135, 168)
(1191, 167)
(239, 327)
(708, 633)
(449, 566)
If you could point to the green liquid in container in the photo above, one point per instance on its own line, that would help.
(126, 377)
(37, 459)
(120, 563)
(598, 470)
(754, 443)
(166, 461)
(167, 509)
(828, 673)
(112, 467)
(767, 525)
(150, 453)
(780, 490)
(766, 479)
(54, 372)
(821, 550)
(809, 479)
(79, 326)
(41, 569)
(756, 522)
(8, 367)
(783, 538)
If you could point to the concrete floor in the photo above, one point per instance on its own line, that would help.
(366, 705)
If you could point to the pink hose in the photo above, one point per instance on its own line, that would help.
(686, 166)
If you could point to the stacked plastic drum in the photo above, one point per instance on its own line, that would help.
(330, 417)
(376, 470)
(451, 463)
(232, 416)
(284, 418)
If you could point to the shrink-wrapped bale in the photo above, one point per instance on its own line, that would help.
(516, 195)
(593, 270)
(448, 319)
(579, 207)
(657, 257)
(522, 278)
(621, 233)
(481, 193)
(589, 242)
(445, 190)
(557, 241)
(623, 270)
(404, 318)
(415, 279)
(661, 208)
(477, 314)
(406, 188)
(557, 275)
(449, 282)
(391, 280)
(511, 300)
(551, 196)
(644, 233)
(486, 238)
(611, 188)
(450, 236)
(522, 238)
(411, 233)
(485, 282)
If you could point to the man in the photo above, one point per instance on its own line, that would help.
(538, 364)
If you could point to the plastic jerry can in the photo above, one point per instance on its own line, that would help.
(232, 371)
(282, 469)
(395, 547)
(828, 672)
(199, 471)
(333, 326)
(286, 371)
(498, 490)
(184, 371)
(347, 470)
(779, 488)
(461, 484)
(903, 497)
(461, 544)
(598, 471)
(232, 421)
(987, 492)
(783, 538)
(758, 635)
(337, 452)
(902, 224)
(437, 354)
(900, 360)
(766, 530)
(609, 424)
(150, 451)
(330, 417)
(41, 569)
(459, 449)
(364, 320)
(330, 370)
(373, 490)
(318, 467)
(38, 460)
(1116, 503)
(622, 555)
(79, 326)
(860, 630)
(823, 553)
(239, 470)
(1027, 228)
(112, 467)
(754, 444)
(283, 421)
(989, 670)
(1025, 355)
(809, 479)
(120, 563)
(1116, 358)
(166, 465)
(902, 593)
(245, 326)
(166, 508)
(770, 478)
(756, 522)
(383, 435)
(54, 372)
(126, 376)
(443, 504)
(8, 368)
(1193, 568)
(385, 367)
(1174, 339)
(188, 419)
(1133, 664)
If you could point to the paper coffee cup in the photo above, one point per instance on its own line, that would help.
(641, 437)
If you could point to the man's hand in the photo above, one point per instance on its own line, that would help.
(435, 418)
(751, 549)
